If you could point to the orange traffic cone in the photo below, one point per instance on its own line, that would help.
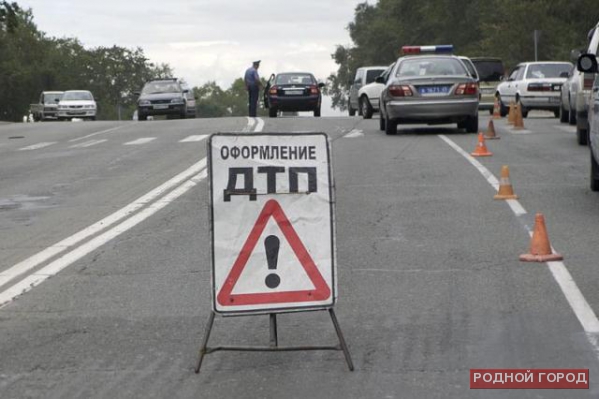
(540, 248)
(511, 116)
(490, 135)
(481, 148)
(505, 191)
(496, 109)
(518, 121)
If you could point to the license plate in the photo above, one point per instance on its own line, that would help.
(160, 106)
(433, 89)
(294, 92)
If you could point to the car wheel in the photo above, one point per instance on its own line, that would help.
(317, 112)
(594, 173)
(572, 117)
(183, 115)
(352, 112)
(556, 113)
(503, 110)
(272, 112)
(92, 118)
(381, 122)
(390, 126)
(367, 110)
(471, 124)
(142, 117)
(582, 136)
(563, 114)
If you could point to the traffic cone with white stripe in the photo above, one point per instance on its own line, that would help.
(496, 109)
(490, 134)
(481, 148)
(505, 191)
(540, 247)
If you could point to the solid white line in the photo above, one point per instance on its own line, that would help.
(88, 143)
(581, 308)
(191, 139)
(143, 140)
(96, 133)
(61, 246)
(63, 262)
(37, 146)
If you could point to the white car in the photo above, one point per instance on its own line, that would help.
(369, 95)
(534, 85)
(77, 104)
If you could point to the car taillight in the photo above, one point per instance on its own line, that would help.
(400, 91)
(273, 90)
(314, 90)
(468, 89)
(588, 81)
(539, 87)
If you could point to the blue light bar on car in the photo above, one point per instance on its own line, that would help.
(442, 49)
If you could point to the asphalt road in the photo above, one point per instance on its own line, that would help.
(105, 265)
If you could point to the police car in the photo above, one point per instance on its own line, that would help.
(429, 85)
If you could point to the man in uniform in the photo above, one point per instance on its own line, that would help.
(253, 85)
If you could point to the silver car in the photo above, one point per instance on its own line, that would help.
(429, 89)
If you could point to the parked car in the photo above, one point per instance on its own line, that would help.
(369, 95)
(293, 92)
(77, 104)
(364, 76)
(47, 106)
(429, 85)
(534, 85)
(570, 87)
(490, 72)
(163, 97)
(587, 64)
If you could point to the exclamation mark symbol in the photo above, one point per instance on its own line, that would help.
(272, 244)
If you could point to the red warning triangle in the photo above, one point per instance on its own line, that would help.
(321, 289)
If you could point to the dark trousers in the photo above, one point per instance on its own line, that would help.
(253, 92)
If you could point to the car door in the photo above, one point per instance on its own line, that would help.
(508, 94)
(357, 84)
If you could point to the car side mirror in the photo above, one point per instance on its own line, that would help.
(56, 100)
(321, 85)
(379, 79)
(587, 63)
(136, 93)
(564, 75)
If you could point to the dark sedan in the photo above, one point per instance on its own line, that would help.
(292, 92)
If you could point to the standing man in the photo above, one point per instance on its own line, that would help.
(253, 85)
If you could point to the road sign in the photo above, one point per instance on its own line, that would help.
(273, 246)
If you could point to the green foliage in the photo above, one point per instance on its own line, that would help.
(494, 28)
(214, 102)
(30, 63)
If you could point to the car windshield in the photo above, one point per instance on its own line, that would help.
(372, 74)
(161, 87)
(431, 67)
(542, 71)
(52, 97)
(78, 96)
(295, 78)
(489, 70)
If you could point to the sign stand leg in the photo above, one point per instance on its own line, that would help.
(274, 339)
(205, 341)
(350, 364)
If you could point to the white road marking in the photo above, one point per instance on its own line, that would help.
(259, 125)
(354, 133)
(516, 132)
(143, 140)
(88, 143)
(568, 129)
(192, 139)
(37, 146)
(583, 311)
(183, 182)
(97, 133)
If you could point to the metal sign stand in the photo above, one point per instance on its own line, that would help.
(274, 342)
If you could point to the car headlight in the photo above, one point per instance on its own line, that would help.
(144, 102)
(177, 101)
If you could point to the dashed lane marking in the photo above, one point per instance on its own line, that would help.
(143, 140)
(192, 139)
(353, 134)
(37, 146)
(88, 143)
(97, 133)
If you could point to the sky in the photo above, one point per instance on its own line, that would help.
(208, 40)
